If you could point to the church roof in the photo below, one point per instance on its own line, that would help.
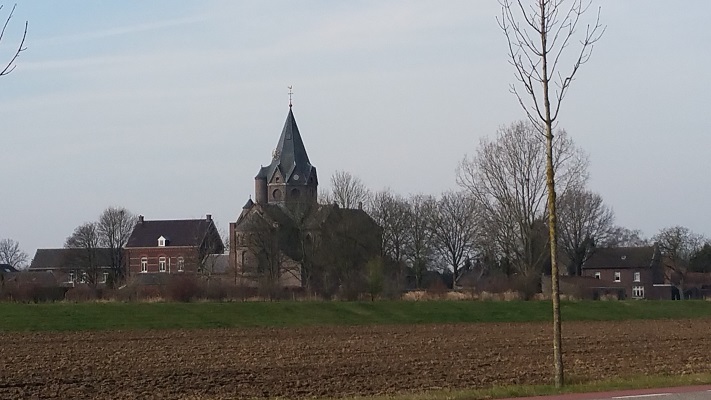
(289, 157)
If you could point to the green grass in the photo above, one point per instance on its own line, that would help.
(110, 316)
(640, 382)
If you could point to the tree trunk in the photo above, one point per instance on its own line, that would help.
(552, 219)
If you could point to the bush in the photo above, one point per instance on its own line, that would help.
(183, 288)
(81, 293)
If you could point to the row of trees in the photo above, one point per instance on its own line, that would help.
(498, 221)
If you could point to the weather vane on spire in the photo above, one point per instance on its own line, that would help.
(290, 93)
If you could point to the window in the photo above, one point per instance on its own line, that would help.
(638, 292)
(161, 241)
(618, 277)
(181, 264)
(161, 264)
(72, 277)
(597, 275)
(84, 277)
(144, 264)
(637, 277)
(104, 277)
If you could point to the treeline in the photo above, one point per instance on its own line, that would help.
(496, 223)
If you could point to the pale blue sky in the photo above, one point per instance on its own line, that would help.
(169, 108)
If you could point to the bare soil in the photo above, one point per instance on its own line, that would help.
(337, 361)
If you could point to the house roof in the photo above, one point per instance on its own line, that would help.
(65, 258)
(40, 278)
(177, 232)
(7, 268)
(289, 157)
(622, 257)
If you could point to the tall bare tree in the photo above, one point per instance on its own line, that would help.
(391, 212)
(625, 237)
(507, 179)
(585, 222)
(678, 244)
(419, 247)
(114, 228)
(538, 35)
(347, 191)
(10, 65)
(10, 253)
(86, 239)
(454, 229)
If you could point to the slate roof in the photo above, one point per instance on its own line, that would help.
(622, 257)
(177, 232)
(290, 156)
(7, 268)
(63, 258)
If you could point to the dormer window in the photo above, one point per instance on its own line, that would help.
(161, 241)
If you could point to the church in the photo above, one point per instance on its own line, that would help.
(285, 238)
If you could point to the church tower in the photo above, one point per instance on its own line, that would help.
(289, 178)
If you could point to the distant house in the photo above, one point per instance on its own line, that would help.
(72, 266)
(6, 273)
(634, 272)
(7, 269)
(171, 246)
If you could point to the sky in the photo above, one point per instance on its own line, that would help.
(170, 108)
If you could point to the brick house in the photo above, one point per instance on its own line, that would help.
(636, 272)
(73, 266)
(171, 246)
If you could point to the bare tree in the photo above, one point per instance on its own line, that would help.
(585, 222)
(538, 36)
(391, 212)
(678, 244)
(86, 240)
(347, 190)
(10, 253)
(507, 179)
(114, 228)
(454, 229)
(10, 66)
(419, 246)
(624, 237)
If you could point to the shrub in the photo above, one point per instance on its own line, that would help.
(183, 288)
(81, 293)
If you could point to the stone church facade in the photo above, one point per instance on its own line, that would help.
(285, 238)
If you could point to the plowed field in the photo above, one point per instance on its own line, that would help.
(336, 361)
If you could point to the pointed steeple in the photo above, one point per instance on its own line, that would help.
(290, 166)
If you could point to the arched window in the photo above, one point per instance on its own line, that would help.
(295, 193)
(276, 194)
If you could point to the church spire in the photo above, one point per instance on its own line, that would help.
(290, 176)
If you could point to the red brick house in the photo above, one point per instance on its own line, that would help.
(634, 271)
(171, 246)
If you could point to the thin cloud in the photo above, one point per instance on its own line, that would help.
(120, 31)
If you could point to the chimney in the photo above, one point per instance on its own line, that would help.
(140, 219)
(208, 217)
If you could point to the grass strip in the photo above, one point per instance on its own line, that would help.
(574, 386)
(65, 316)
